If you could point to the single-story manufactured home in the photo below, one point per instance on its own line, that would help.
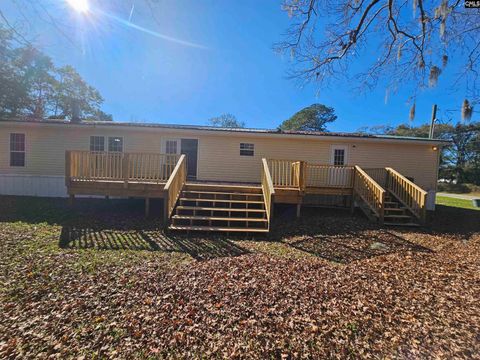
(219, 178)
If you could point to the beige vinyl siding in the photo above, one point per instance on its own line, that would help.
(46, 146)
(218, 154)
(220, 158)
(417, 161)
(43, 149)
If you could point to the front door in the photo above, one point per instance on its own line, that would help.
(189, 147)
(337, 175)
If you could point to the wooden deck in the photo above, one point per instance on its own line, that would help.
(293, 180)
(116, 188)
(216, 206)
(118, 174)
(147, 175)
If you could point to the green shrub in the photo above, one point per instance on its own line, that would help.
(458, 188)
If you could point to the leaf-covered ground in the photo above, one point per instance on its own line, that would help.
(102, 282)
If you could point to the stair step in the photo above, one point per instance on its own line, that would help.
(182, 207)
(253, 189)
(221, 193)
(398, 216)
(394, 209)
(215, 228)
(198, 197)
(213, 218)
(223, 200)
(400, 224)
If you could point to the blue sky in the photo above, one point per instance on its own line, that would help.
(146, 78)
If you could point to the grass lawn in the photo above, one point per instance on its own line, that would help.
(453, 202)
(100, 281)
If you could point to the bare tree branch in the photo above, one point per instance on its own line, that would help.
(14, 30)
(329, 36)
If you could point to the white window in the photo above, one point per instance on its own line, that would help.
(97, 143)
(115, 144)
(17, 149)
(339, 155)
(247, 149)
(171, 147)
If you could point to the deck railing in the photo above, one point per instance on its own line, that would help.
(174, 186)
(318, 175)
(267, 189)
(285, 173)
(410, 194)
(112, 166)
(151, 167)
(300, 174)
(370, 192)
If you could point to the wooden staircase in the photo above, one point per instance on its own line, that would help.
(387, 197)
(396, 214)
(215, 207)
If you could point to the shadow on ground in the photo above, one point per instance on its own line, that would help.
(146, 239)
(451, 220)
(356, 246)
(56, 211)
(331, 234)
(116, 224)
(337, 235)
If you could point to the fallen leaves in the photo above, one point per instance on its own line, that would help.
(324, 293)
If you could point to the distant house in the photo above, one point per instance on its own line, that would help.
(235, 170)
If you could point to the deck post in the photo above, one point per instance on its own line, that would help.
(125, 170)
(71, 199)
(302, 175)
(352, 205)
(165, 208)
(147, 207)
(382, 209)
(299, 208)
(272, 205)
(387, 179)
(68, 168)
(423, 204)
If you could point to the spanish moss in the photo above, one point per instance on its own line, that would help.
(444, 60)
(467, 110)
(433, 77)
(412, 112)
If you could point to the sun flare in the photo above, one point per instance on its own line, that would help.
(79, 5)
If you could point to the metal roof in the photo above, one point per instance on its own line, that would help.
(230, 130)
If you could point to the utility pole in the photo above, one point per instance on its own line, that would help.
(432, 123)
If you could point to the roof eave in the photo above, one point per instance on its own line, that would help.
(236, 132)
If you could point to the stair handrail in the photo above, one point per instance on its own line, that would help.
(267, 189)
(370, 192)
(174, 186)
(412, 196)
